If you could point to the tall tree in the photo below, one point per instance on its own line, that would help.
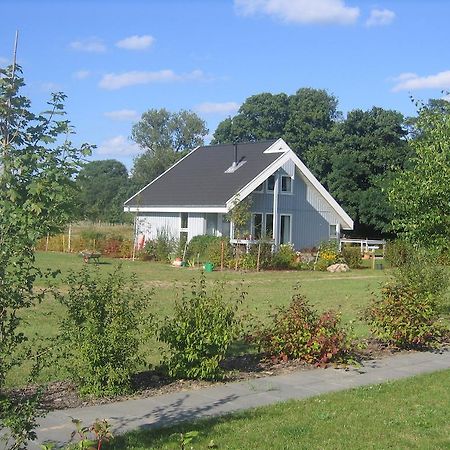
(164, 137)
(420, 195)
(368, 146)
(37, 167)
(103, 187)
(260, 117)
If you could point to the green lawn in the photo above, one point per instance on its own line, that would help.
(409, 414)
(347, 292)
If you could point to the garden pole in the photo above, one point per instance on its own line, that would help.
(258, 258)
(222, 251)
(69, 241)
(46, 243)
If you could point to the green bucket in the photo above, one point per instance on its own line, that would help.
(208, 267)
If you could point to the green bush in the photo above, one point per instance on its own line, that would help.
(199, 245)
(265, 257)
(407, 315)
(398, 252)
(405, 318)
(199, 334)
(214, 251)
(160, 249)
(352, 257)
(299, 332)
(248, 261)
(284, 258)
(101, 331)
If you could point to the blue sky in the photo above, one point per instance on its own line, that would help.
(115, 59)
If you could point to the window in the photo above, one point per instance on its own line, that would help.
(271, 183)
(257, 225)
(333, 231)
(286, 184)
(184, 221)
(285, 229)
(269, 226)
(260, 188)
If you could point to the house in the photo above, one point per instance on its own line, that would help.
(193, 197)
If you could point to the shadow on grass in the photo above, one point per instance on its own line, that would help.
(165, 420)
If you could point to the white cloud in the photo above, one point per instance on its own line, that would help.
(136, 42)
(92, 45)
(217, 108)
(118, 146)
(122, 114)
(380, 17)
(81, 74)
(411, 81)
(114, 81)
(300, 11)
(4, 61)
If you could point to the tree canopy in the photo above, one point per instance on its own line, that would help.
(164, 138)
(103, 187)
(420, 195)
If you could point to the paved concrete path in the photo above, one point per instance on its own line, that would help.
(168, 409)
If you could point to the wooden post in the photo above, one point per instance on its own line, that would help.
(63, 243)
(69, 242)
(46, 243)
(222, 255)
(258, 258)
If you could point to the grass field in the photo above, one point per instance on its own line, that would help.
(347, 292)
(409, 414)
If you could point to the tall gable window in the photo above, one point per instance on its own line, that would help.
(271, 183)
(286, 184)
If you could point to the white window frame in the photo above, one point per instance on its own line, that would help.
(336, 235)
(291, 191)
(290, 227)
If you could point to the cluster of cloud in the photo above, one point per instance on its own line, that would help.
(312, 11)
(123, 115)
(113, 81)
(118, 146)
(380, 17)
(217, 108)
(96, 45)
(136, 42)
(411, 81)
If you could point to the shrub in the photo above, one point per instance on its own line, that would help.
(299, 332)
(199, 245)
(248, 261)
(199, 334)
(405, 318)
(398, 252)
(352, 257)
(160, 249)
(265, 257)
(214, 251)
(328, 255)
(285, 257)
(101, 331)
(407, 315)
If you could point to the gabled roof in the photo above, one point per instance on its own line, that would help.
(199, 182)
(199, 179)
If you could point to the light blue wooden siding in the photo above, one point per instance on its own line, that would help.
(149, 224)
(311, 214)
(196, 224)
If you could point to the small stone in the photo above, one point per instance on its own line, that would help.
(338, 268)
